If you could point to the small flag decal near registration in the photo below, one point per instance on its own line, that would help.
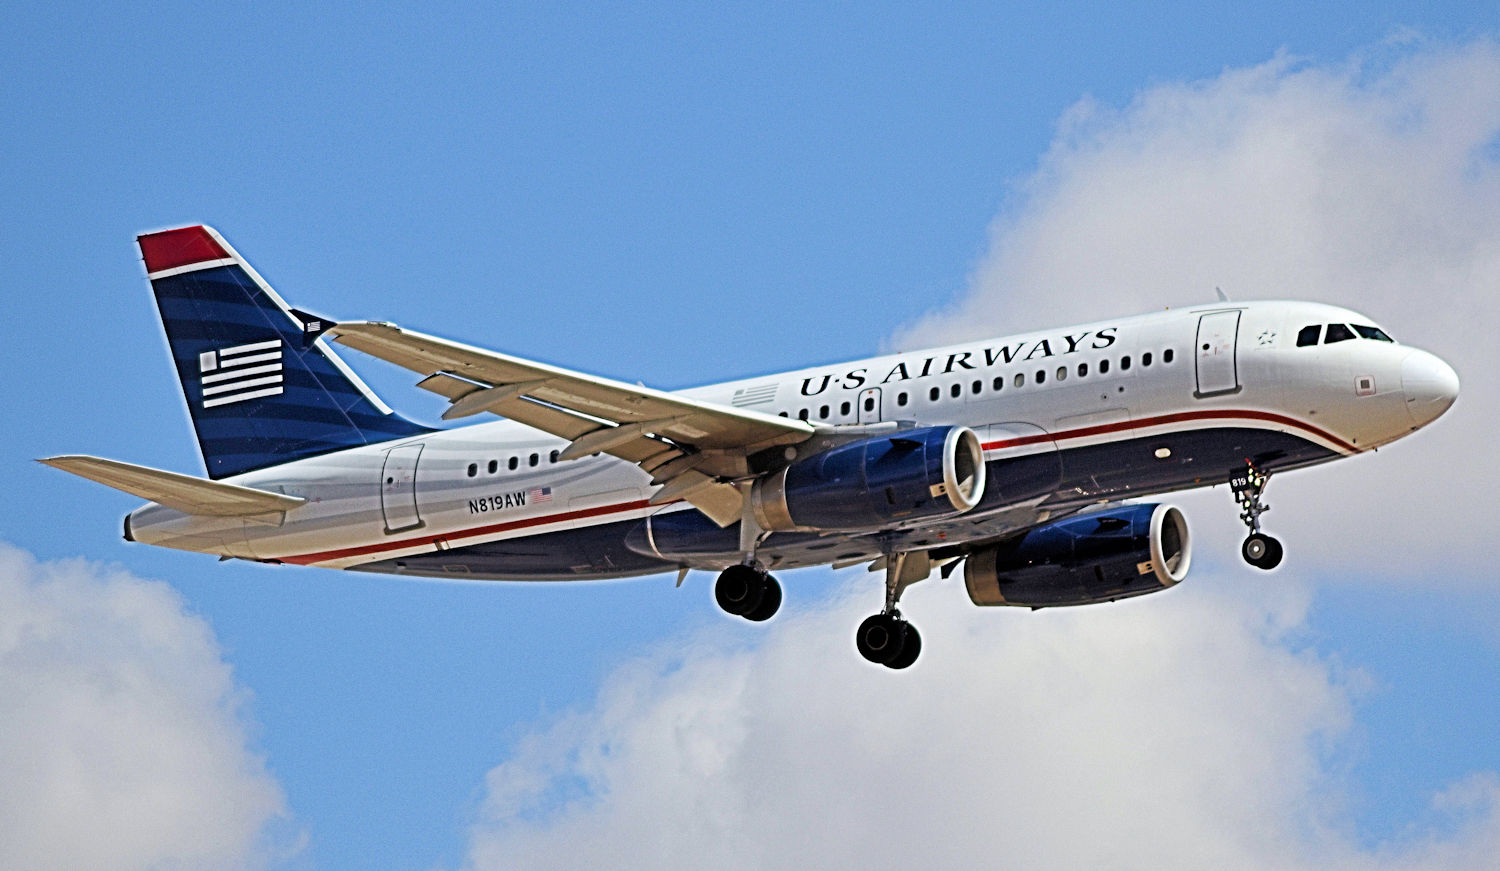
(540, 494)
(242, 372)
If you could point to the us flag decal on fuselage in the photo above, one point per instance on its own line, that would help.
(239, 373)
(540, 494)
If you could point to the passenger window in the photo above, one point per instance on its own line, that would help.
(514, 462)
(1083, 369)
(934, 393)
(1166, 356)
(1103, 367)
(956, 390)
(494, 466)
(1062, 373)
(1041, 377)
(802, 414)
(782, 413)
(901, 398)
(977, 386)
(1146, 359)
(823, 413)
(1125, 363)
(473, 469)
(534, 460)
(1375, 333)
(1020, 379)
(1337, 333)
(869, 403)
(1308, 335)
(552, 457)
(999, 382)
(844, 409)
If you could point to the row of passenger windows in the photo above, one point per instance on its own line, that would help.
(514, 463)
(1308, 335)
(977, 386)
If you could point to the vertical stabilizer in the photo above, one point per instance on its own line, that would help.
(261, 386)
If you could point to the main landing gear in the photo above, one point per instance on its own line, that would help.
(748, 591)
(1259, 550)
(887, 638)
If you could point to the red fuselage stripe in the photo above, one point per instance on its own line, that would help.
(584, 513)
(1164, 419)
(382, 546)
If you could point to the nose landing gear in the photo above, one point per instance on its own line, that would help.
(1259, 550)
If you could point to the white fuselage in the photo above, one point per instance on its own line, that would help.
(1126, 407)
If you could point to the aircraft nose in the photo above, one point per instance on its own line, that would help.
(1430, 385)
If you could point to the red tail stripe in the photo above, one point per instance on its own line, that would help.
(184, 246)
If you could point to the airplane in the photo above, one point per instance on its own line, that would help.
(1017, 458)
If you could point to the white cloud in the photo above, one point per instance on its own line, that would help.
(123, 743)
(1371, 184)
(1183, 730)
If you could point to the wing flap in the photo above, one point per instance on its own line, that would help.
(704, 425)
(185, 493)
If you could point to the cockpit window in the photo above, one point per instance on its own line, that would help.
(1308, 335)
(1338, 333)
(1375, 333)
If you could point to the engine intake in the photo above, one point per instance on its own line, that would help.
(1100, 556)
(918, 473)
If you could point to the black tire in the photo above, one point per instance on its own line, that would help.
(739, 590)
(1255, 548)
(1273, 556)
(911, 647)
(770, 600)
(880, 638)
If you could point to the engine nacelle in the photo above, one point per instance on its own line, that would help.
(913, 474)
(1100, 556)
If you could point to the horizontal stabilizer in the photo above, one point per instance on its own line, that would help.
(185, 493)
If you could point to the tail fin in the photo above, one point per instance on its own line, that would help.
(261, 386)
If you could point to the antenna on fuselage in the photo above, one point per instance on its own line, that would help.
(1222, 296)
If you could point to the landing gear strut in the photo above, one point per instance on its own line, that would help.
(1259, 550)
(748, 591)
(887, 638)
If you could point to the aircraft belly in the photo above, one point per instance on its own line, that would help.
(1127, 468)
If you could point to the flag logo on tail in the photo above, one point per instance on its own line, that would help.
(241, 372)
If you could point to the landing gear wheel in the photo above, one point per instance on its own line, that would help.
(1262, 551)
(769, 602)
(911, 647)
(1259, 550)
(881, 638)
(740, 590)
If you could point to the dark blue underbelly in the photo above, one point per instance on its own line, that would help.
(1068, 477)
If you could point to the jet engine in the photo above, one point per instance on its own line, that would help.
(1099, 556)
(911, 475)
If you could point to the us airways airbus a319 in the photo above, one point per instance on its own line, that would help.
(1017, 459)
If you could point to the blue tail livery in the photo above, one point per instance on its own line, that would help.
(261, 386)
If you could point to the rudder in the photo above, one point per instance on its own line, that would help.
(260, 385)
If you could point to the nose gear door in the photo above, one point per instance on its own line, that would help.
(398, 488)
(1217, 364)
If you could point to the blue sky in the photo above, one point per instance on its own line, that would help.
(685, 195)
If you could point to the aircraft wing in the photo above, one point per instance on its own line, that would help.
(185, 493)
(688, 445)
